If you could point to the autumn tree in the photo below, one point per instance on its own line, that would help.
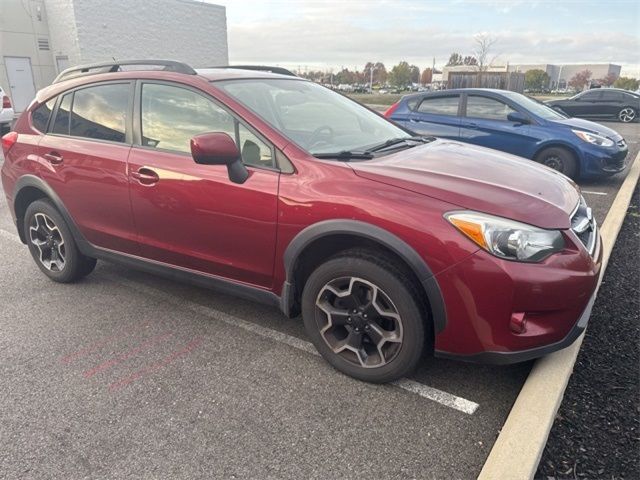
(379, 72)
(426, 77)
(415, 74)
(608, 80)
(536, 79)
(580, 80)
(400, 75)
(627, 83)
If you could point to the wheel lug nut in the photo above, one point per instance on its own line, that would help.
(349, 320)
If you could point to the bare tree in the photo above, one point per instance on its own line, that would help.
(484, 42)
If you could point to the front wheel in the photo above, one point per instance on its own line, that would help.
(52, 246)
(559, 159)
(364, 317)
(627, 115)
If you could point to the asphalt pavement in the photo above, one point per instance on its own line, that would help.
(129, 375)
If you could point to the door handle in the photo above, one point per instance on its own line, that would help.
(54, 158)
(146, 176)
(471, 125)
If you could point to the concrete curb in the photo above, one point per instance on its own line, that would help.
(518, 449)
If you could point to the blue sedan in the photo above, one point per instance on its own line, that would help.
(515, 124)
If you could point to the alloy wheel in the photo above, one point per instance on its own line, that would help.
(627, 115)
(359, 322)
(47, 238)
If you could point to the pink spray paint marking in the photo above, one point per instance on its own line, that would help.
(126, 355)
(93, 347)
(188, 348)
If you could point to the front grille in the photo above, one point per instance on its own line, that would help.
(584, 226)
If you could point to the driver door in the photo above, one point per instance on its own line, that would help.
(192, 216)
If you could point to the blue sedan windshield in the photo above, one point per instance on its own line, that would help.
(534, 106)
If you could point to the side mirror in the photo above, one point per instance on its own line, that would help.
(217, 148)
(517, 117)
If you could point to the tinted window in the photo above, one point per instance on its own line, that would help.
(171, 116)
(488, 108)
(589, 96)
(101, 112)
(61, 123)
(40, 116)
(611, 97)
(440, 105)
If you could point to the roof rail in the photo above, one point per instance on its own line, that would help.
(115, 66)
(261, 68)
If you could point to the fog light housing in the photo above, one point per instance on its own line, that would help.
(518, 323)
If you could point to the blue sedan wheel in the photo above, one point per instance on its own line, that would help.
(559, 159)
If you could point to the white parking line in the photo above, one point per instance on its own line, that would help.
(589, 192)
(444, 398)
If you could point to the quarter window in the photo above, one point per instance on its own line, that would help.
(61, 123)
(171, 116)
(101, 112)
(40, 116)
(440, 105)
(487, 108)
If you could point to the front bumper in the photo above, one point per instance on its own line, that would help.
(483, 295)
(599, 161)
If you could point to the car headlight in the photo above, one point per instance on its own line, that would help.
(506, 238)
(594, 138)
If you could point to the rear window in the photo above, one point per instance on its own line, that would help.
(101, 112)
(40, 116)
(440, 105)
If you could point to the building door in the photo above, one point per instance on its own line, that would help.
(21, 84)
(62, 62)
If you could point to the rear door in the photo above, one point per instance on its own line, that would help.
(485, 123)
(437, 116)
(84, 158)
(610, 102)
(587, 104)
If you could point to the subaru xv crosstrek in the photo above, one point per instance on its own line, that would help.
(281, 191)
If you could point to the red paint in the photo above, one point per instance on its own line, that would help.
(188, 348)
(126, 355)
(193, 216)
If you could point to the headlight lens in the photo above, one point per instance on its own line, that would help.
(506, 238)
(594, 138)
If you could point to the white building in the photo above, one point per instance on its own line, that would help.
(40, 38)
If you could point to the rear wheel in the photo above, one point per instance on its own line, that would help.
(627, 115)
(559, 159)
(364, 317)
(52, 246)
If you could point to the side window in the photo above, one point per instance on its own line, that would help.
(40, 116)
(440, 105)
(487, 108)
(101, 112)
(171, 116)
(611, 97)
(590, 96)
(61, 122)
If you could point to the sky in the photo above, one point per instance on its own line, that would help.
(312, 34)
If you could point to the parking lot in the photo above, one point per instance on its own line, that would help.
(127, 374)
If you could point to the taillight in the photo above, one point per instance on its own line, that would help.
(8, 141)
(6, 102)
(391, 109)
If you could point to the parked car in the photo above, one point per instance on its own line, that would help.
(279, 190)
(6, 112)
(601, 103)
(515, 124)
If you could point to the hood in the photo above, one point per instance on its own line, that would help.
(580, 124)
(480, 179)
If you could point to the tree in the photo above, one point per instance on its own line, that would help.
(627, 83)
(426, 77)
(470, 60)
(455, 59)
(484, 42)
(536, 79)
(379, 72)
(580, 80)
(400, 75)
(608, 80)
(415, 74)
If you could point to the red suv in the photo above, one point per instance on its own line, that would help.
(279, 190)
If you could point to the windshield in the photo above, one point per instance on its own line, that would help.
(534, 106)
(316, 118)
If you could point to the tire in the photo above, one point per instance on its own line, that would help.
(390, 336)
(559, 159)
(627, 115)
(52, 245)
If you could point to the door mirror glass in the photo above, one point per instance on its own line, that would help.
(517, 117)
(218, 148)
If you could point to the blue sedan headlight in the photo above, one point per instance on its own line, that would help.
(594, 138)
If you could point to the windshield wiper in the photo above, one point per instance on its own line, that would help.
(346, 155)
(396, 141)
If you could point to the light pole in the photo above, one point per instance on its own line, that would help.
(371, 69)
